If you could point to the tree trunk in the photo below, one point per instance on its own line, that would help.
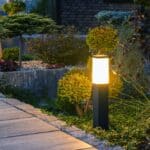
(86, 106)
(21, 50)
(79, 110)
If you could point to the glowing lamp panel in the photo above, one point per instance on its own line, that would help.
(100, 70)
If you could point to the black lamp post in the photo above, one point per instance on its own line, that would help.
(100, 80)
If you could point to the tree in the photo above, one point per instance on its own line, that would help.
(20, 24)
(11, 7)
(14, 7)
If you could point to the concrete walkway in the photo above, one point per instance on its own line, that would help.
(23, 127)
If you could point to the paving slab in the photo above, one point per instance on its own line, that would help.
(45, 141)
(12, 113)
(18, 127)
(22, 127)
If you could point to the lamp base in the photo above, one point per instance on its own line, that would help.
(100, 106)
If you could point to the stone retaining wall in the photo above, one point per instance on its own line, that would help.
(40, 82)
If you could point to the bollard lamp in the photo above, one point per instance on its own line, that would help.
(100, 82)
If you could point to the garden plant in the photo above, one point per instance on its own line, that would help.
(75, 88)
(14, 7)
(61, 48)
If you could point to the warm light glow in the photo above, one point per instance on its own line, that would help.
(100, 70)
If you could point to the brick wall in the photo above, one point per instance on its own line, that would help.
(81, 12)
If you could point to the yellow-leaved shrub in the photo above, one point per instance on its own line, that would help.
(102, 40)
(75, 88)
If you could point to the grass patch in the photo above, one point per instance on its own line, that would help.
(129, 123)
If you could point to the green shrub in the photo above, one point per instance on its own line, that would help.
(63, 48)
(113, 17)
(75, 88)
(28, 57)
(11, 54)
(128, 58)
(115, 85)
(14, 7)
(102, 40)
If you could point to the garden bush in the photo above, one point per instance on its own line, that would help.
(28, 57)
(115, 85)
(115, 18)
(14, 7)
(11, 54)
(75, 88)
(62, 48)
(128, 57)
(102, 40)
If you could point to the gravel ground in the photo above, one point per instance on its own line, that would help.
(35, 64)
